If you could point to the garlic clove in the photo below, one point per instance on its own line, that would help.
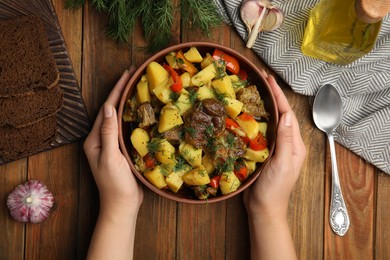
(273, 19)
(258, 16)
(30, 202)
(250, 12)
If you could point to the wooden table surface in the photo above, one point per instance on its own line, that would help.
(169, 230)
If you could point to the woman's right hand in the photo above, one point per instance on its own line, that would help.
(270, 194)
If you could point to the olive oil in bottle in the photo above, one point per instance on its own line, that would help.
(338, 32)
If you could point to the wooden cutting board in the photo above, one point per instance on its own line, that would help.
(72, 119)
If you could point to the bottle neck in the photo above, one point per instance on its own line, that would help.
(372, 11)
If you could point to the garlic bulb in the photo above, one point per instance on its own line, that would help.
(30, 202)
(258, 16)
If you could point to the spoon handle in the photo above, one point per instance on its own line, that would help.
(338, 218)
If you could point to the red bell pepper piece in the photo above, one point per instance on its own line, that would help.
(243, 75)
(258, 143)
(214, 182)
(246, 117)
(232, 64)
(234, 128)
(149, 160)
(241, 171)
(231, 123)
(177, 86)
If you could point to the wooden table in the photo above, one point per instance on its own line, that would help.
(166, 229)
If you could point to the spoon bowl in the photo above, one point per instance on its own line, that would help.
(327, 115)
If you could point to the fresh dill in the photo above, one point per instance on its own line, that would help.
(239, 84)
(230, 140)
(174, 96)
(220, 96)
(220, 68)
(201, 14)
(180, 165)
(157, 18)
(191, 131)
(154, 145)
(192, 95)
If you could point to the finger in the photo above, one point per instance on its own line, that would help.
(281, 100)
(109, 131)
(285, 139)
(116, 92)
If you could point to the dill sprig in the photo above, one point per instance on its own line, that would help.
(201, 14)
(157, 18)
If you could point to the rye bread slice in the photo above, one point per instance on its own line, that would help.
(20, 142)
(24, 110)
(26, 62)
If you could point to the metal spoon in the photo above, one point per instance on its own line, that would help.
(327, 115)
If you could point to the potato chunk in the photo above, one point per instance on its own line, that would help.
(166, 153)
(229, 182)
(257, 156)
(248, 124)
(139, 139)
(193, 55)
(175, 180)
(143, 94)
(169, 118)
(204, 76)
(183, 103)
(224, 86)
(191, 154)
(197, 176)
(233, 107)
(156, 177)
(155, 74)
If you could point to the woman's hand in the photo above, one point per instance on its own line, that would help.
(267, 199)
(118, 188)
(270, 194)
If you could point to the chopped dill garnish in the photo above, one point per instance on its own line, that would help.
(239, 84)
(180, 165)
(180, 61)
(227, 166)
(190, 130)
(174, 96)
(154, 145)
(220, 96)
(230, 139)
(192, 95)
(220, 68)
(165, 169)
(209, 130)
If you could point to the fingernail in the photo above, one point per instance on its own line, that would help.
(107, 111)
(288, 119)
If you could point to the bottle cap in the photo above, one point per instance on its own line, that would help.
(372, 11)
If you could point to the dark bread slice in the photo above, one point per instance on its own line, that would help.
(26, 62)
(27, 109)
(20, 142)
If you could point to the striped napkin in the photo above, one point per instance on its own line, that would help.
(364, 84)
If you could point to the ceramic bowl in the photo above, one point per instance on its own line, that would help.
(254, 76)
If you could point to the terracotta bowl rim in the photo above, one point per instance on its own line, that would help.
(134, 79)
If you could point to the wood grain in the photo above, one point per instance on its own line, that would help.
(166, 229)
(357, 181)
(58, 169)
(12, 243)
(382, 231)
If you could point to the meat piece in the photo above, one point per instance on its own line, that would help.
(174, 136)
(146, 115)
(213, 107)
(253, 104)
(204, 120)
(227, 146)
